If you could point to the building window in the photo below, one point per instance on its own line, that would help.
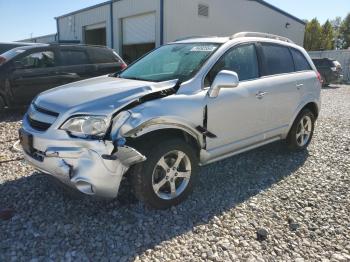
(203, 10)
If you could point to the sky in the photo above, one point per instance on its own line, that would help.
(22, 19)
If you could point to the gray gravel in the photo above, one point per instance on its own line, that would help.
(296, 204)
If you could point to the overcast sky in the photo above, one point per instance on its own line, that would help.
(20, 19)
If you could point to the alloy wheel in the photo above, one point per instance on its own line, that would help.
(171, 175)
(304, 130)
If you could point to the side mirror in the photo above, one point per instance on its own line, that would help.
(224, 79)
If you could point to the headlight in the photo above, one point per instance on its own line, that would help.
(85, 126)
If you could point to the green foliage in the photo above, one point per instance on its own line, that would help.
(332, 34)
(327, 40)
(313, 35)
(344, 32)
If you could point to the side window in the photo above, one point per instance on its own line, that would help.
(242, 60)
(300, 62)
(38, 60)
(278, 59)
(74, 57)
(102, 56)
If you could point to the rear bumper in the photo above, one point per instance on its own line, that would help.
(89, 166)
(335, 78)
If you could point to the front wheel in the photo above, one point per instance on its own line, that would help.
(301, 133)
(167, 177)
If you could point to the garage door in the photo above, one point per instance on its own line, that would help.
(95, 34)
(139, 29)
(139, 36)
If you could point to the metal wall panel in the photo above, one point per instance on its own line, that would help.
(72, 27)
(41, 39)
(227, 17)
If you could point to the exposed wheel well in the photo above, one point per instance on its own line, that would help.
(313, 108)
(164, 134)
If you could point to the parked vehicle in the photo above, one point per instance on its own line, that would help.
(5, 46)
(27, 71)
(187, 103)
(330, 70)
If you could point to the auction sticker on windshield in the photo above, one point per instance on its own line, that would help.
(203, 48)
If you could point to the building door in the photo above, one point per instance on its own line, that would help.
(139, 36)
(95, 34)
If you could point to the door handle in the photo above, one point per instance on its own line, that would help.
(261, 94)
(299, 86)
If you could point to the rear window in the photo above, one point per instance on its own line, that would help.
(103, 56)
(74, 57)
(278, 59)
(323, 62)
(317, 62)
(300, 62)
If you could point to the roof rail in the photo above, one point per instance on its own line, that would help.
(264, 35)
(193, 37)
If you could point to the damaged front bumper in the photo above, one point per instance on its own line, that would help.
(90, 166)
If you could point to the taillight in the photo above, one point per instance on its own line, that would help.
(319, 77)
(123, 66)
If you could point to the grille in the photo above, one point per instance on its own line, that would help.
(40, 118)
(37, 125)
(45, 111)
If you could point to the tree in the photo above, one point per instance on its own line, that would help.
(345, 32)
(313, 35)
(336, 23)
(327, 39)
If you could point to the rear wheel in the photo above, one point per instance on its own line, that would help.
(301, 133)
(166, 178)
(324, 82)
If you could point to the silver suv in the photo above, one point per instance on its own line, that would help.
(188, 103)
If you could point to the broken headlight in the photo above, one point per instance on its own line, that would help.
(86, 126)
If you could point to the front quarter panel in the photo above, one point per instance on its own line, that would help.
(179, 111)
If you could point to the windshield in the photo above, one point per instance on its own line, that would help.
(173, 61)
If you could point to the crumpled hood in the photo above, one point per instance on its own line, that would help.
(100, 95)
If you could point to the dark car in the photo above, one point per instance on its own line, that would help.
(5, 46)
(330, 70)
(29, 70)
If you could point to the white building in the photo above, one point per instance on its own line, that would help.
(133, 27)
(44, 39)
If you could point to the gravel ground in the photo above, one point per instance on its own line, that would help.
(263, 205)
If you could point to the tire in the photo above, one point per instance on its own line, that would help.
(154, 173)
(300, 136)
(324, 82)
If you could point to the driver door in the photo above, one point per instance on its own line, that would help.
(237, 115)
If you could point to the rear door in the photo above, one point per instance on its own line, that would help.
(281, 87)
(305, 75)
(75, 65)
(106, 61)
(34, 72)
